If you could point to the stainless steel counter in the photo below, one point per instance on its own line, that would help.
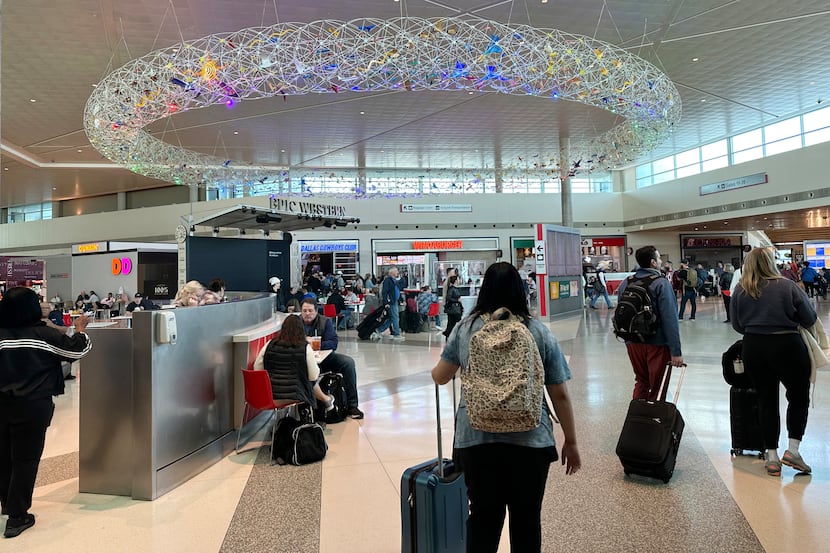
(155, 414)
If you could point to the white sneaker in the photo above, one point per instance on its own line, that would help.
(398, 338)
(439, 327)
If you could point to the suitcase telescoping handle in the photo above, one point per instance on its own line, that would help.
(679, 381)
(438, 418)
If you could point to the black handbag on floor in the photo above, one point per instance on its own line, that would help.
(298, 443)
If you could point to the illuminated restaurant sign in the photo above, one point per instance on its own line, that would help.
(326, 247)
(90, 247)
(437, 244)
(713, 242)
(121, 266)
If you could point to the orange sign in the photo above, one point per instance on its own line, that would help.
(87, 248)
(437, 244)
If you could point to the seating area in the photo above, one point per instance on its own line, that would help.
(258, 397)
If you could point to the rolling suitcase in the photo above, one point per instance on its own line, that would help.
(744, 418)
(434, 504)
(744, 421)
(650, 436)
(371, 322)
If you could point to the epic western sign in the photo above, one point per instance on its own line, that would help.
(307, 208)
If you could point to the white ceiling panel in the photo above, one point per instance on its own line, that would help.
(757, 61)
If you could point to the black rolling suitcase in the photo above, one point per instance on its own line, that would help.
(434, 504)
(744, 417)
(744, 421)
(650, 436)
(371, 322)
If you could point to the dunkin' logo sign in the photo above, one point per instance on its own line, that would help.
(121, 266)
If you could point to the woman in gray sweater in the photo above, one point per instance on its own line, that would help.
(768, 309)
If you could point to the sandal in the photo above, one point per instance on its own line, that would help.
(773, 468)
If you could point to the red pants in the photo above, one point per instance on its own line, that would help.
(649, 362)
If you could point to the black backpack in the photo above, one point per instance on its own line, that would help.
(332, 384)
(635, 319)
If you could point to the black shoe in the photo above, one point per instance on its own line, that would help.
(70, 377)
(727, 321)
(16, 526)
(355, 413)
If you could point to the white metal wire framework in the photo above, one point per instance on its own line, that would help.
(367, 55)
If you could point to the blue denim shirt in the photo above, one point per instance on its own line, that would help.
(457, 352)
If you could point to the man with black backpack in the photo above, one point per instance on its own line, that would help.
(646, 318)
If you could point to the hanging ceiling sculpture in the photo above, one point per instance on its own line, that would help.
(370, 55)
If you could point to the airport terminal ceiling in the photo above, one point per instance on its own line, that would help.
(736, 65)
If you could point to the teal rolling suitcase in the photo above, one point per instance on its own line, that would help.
(434, 504)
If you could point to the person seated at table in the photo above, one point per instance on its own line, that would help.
(293, 306)
(140, 303)
(209, 295)
(93, 299)
(290, 362)
(318, 325)
(107, 302)
(217, 286)
(426, 298)
(336, 299)
(190, 294)
(51, 316)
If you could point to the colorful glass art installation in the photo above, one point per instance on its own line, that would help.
(408, 53)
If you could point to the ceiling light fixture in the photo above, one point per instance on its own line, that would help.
(695, 59)
(497, 57)
(33, 100)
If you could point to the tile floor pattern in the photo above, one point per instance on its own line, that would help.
(350, 502)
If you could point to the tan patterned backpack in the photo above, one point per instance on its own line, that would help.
(503, 382)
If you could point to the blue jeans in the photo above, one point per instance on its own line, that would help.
(689, 295)
(394, 320)
(345, 319)
(604, 295)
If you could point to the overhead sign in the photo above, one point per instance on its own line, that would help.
(599, 242)
(432, 208)
(90, 247)
(437, 244)
(711, 242)
(732, 184)
(307, 208)
(323, 247)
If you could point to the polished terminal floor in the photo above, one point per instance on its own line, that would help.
(350, 502)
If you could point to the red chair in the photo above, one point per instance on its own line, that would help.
(258, 396)
(434, 310)
(330, 311)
